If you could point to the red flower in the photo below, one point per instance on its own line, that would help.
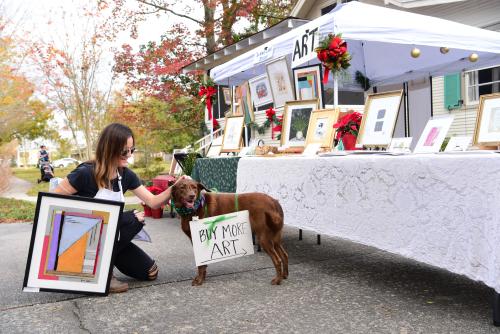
(270, 114)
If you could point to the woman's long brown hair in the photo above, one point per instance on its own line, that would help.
(111, 142)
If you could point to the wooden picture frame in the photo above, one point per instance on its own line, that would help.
(72, 244)
(233, 130)
(260, 90)
(320, 129)
(487, 129)
(278, 74)
(296, 119)
(379, 119)
(308, 83)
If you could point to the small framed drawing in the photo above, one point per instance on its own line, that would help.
(432, 137)
(279, 80)
(296, 122)
(458, 144)
(400, 145)
(320, 129)
(308, 83)
(71, 248)
(226, 91)
(487, 130)
(379, 119)
(260, 91)
(233, 129)
(242, 97)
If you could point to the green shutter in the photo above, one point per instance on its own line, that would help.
(452, 91)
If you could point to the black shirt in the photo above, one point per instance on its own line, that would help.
(82, 179)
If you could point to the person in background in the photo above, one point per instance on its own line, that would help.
(108, 177)
(43, 155)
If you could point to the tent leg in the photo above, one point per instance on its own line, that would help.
(496, 309)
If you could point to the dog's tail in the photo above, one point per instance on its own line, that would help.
(275, 217)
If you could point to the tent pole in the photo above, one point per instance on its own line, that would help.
(335, 91)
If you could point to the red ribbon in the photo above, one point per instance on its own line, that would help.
(325, 75)
(208, 92)
(270, 116)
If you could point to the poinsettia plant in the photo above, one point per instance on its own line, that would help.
(349, 123)
(274, 122)
(333, 54)
(154, 190)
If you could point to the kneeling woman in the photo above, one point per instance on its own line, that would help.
(107, 177)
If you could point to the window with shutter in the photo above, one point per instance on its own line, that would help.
(481, 82)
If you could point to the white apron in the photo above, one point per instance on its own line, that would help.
(112, 195)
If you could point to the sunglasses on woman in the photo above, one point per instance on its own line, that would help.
(125, 152)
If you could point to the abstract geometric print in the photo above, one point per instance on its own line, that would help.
(73, 244)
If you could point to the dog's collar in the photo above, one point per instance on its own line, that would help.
(200, 202)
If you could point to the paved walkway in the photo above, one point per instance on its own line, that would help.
(335, 287)
(18, 188)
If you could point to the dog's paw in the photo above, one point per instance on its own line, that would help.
(276, 281)
(197, 281)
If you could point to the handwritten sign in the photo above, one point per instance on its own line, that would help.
(263, 54)
(304, 44)
(221, 237)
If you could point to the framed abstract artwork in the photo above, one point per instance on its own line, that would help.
(320, 129)
(278, 74)
(379, 119)
(296, 122)
(487, 130)
(308, 83)
(72, 242)
(260, 91)
(432, 137)
(233, 130)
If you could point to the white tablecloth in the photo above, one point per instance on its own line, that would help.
(438, 209)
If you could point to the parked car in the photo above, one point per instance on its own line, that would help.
(65, 162)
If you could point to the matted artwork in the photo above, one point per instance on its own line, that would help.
(242, 97)
(278, 74)
(320, 129)
(379, 119)
(260, 91)
(458, 144)
(308, 83)
(296, 122)
(400, 145)
(487, 130)
(226, 91)
(72, 243)
(432, 137)
(233, 130)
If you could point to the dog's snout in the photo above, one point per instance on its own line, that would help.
(191, 197)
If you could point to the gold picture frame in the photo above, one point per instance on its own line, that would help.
(233, 130)
(379, 119)
(487, 129)
(320, 129)
(296, 116)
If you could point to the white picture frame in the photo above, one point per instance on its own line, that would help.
(400, 145)
(379, 119)
(434, 133)
(260, 91)
(487, 130)
(278, 74)
(72, 244)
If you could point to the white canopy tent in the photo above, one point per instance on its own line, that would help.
(380, 41)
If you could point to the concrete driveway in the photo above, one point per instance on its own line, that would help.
(335, 287)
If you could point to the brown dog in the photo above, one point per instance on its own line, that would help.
(266, 219)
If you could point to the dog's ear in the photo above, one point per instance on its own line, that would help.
(201, 187)
(174, 195)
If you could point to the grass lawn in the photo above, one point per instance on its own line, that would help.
(13, 210)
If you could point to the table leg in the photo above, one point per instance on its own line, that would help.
(318, 239)
(496, 309)
(300, 234)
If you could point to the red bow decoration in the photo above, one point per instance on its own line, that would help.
(207, 92)
(333, 54)
(271, 116)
